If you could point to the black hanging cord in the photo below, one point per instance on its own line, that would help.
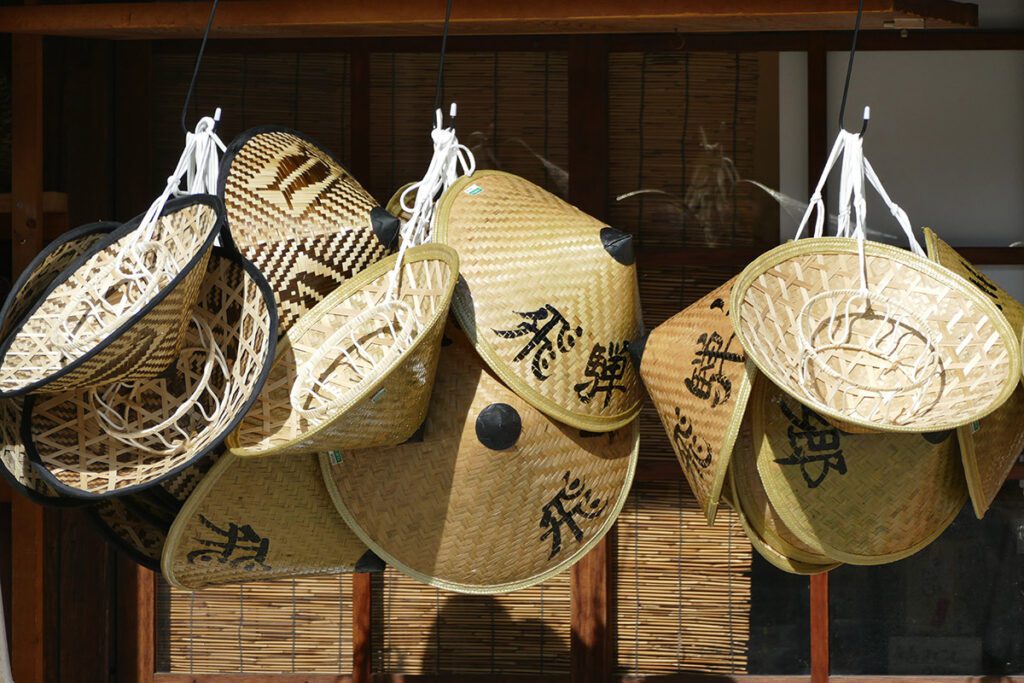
(440, 65)
(195, 71)
(849, 71)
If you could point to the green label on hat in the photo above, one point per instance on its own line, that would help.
(975, 426)
(336, 457)
(474, 189)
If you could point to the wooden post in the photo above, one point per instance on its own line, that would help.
(27, 632)
(136, 622)
(593, 576)
(362, 628)
(819, 629)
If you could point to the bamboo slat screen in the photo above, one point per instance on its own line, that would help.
(684, 125)
(513, 110)
(423, 630)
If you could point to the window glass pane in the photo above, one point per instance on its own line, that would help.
(956, 607)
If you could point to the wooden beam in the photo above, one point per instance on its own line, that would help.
(362, 628)
(310, 18)
(1017, 473)
(28, 591)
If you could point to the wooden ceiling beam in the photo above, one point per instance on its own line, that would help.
(345, 18)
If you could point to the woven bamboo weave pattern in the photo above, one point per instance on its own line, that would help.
(683, 587)
(69, 439)
(858, 498)
(386, 401)
(774, 556)
(990, 447)
(546, 306)
(16, 465)
(695, 371)
(298, 215)
(57, 256)
(434, 508)
(257, 519)
(978, 365)
(750, 496)
(143, 347)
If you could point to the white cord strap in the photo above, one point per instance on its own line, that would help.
(135, 275)
(114, 404)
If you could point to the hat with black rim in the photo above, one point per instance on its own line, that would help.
(121, 438)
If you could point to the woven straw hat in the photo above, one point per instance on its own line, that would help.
(257, 519)
(295, 212)
(774, 540)
(33, 281)
(775, 555)
(123, 437)
(989, 447)
(48, 263)
(869, 335)
(548, 296)
(857, 498)
(137, 524)
(494, 496)
(118, 312)
(326, 393)
(699, 380)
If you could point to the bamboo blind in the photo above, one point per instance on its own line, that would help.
(513, 114)
(683, 589)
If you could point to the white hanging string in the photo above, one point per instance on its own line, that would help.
(114, 404)
(349, 348)
(145, 266)
(841, 309)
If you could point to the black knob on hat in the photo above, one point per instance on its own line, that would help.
(937, 437)
(636, 348)
(498, 426)
(385, 226)
(619, 244)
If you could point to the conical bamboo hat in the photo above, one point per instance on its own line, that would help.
(295, 212)
(380, 397)
(494, 496)
(15, 465)
(989, 447)
(699, 381)
(121, 438)
(857, 498)
(72, 338)
(257, 519)
(923, 351)
(548, 296)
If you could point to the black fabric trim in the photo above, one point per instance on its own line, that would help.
(171, 206)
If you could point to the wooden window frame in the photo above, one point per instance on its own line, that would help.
(593, 643)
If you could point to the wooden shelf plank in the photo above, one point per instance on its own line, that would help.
(312, 18)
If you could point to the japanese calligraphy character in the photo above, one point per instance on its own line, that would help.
(815, 443)
(982, 283)
(694, 447)
(708, 380)
(240, 546)
(605, 369)
(540, 324)
(574, 500)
